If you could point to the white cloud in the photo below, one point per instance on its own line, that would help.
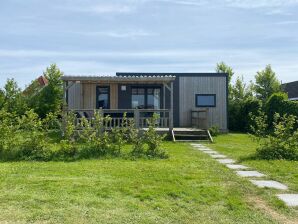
(186, 2)
(104, 8)
(120, 34)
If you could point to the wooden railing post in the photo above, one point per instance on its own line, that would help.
(171, 115)
(136, 114)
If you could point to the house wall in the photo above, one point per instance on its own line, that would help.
(83, 95)
(74, 99)
(189, 86)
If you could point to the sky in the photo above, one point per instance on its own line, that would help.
(94, 37)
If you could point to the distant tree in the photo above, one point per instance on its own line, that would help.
(49, 99)
(224, 68)
(1, 98)
(266, 83)
(240, 90)
(12, 98)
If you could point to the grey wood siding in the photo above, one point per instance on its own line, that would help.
(190, 86)
(74, 99)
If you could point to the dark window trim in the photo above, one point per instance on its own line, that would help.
(197, 103)
(109, 98)
(146, 87)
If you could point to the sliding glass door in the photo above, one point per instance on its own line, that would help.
(145, 98)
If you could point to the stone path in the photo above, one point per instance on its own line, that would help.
(244, 171)
(249, 173)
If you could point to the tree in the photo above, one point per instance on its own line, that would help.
(240, 91)
(49, 99)
(1, 98)
(266, 83)
(224, 68)
(12, 98)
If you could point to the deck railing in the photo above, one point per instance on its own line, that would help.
(139, 116)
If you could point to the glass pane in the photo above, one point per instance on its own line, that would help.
(103, 98)
(208, 100)
(138, 98)
(153, 98)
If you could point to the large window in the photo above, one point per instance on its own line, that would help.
(205, 100)
(138, 98)
(153, 98)
(103, 97)
(145, 98)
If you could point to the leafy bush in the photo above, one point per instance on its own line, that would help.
(282, 143)
(240, 112)
(214, 130)
(153, 139)
(26, 137)
(279, 103)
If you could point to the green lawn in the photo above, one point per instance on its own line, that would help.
(189, 187)
(240, 147)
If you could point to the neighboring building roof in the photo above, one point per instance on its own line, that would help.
(292, 89)
(156, 78)
(42, 80)
(36, 86)
(177, 74)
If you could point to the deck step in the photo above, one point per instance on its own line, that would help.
(191, 135)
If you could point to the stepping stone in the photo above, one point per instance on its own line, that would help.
(249, 173)
(289, 199)
(269, 184)
(218, 156)
(226, 161)
(203, 149)
(210, 152)
(236, 167)
(197, 145)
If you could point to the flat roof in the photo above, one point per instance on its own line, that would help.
(177, 74)
(128, 78)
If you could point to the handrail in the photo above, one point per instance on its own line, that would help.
(140, 116)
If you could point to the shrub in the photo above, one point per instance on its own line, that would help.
(34, 145)
(283, 142)
(214, 130)
(279, 103)
(9, 139)
(67, 151)
(153, 139)
(240, 112)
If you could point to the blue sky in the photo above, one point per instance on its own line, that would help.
(87, 37)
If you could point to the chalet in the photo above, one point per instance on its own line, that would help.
(183, 100)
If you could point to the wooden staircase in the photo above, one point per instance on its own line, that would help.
(189, 134)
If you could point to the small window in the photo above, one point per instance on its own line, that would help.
(205, 100)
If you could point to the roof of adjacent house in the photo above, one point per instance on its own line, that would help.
(292, 89)
(177, 74)
(128, 78)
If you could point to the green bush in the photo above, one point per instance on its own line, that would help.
(27, 137)
(279, 103)
(153, 139)
(214, 130)
(283, 142)
(240, 112)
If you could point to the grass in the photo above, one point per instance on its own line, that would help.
(189, 187)
(241, 148)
